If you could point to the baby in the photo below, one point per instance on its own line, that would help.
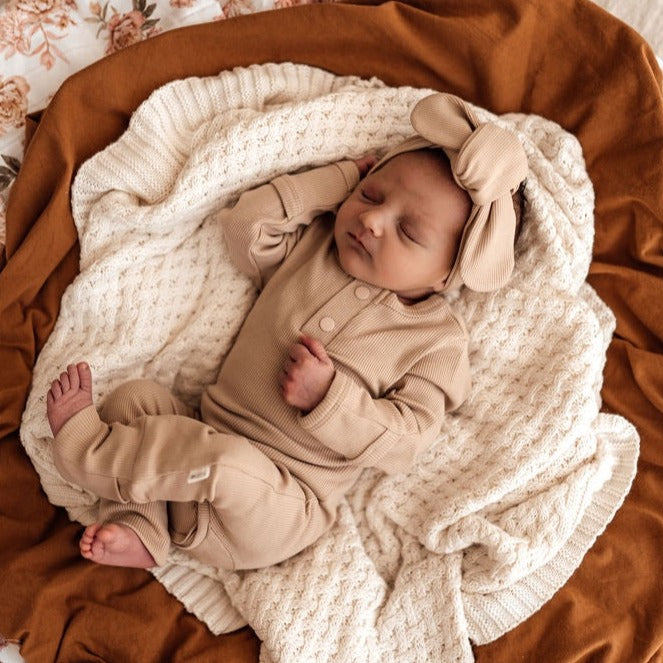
(348, 359)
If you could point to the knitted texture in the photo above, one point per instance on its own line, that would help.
(496, 516)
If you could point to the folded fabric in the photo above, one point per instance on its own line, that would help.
(523, 478)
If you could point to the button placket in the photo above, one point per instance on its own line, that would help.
(341, 308)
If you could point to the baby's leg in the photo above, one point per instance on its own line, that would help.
(128, 534)
(68, 395)
(100, 450)
(260, 514)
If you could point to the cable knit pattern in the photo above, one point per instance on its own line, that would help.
(496, 516)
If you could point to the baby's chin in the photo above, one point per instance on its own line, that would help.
(357, 271)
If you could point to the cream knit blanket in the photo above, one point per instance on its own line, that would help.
(496, 516)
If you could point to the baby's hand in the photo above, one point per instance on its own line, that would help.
(365, 163)
(307, 374)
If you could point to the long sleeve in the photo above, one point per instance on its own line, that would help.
(390, 432)
(265, 224)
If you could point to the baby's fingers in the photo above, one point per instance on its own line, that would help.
(316, 348)
(365, 163)
(298, 352)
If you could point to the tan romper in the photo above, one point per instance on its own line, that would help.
(255, 480)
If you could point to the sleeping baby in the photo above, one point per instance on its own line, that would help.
(349, 359)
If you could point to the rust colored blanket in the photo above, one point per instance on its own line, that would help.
(565, 60)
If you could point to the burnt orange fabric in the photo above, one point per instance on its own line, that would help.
(566, 60)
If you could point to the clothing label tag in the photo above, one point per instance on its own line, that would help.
(199, 474)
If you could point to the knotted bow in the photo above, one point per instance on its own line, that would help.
(489, 163)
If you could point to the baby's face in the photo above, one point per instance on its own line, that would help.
(400, 228)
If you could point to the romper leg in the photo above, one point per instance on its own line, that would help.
(137, 398)
(252, 509)
(98, 450)
(262, 516)
(149, 520)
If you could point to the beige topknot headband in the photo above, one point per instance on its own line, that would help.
(489, 163)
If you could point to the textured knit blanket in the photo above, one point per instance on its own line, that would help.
(496, 516)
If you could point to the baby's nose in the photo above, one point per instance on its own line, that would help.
(373, 221)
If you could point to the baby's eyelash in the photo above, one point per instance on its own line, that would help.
(405, 231)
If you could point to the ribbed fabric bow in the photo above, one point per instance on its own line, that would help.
(489, 163)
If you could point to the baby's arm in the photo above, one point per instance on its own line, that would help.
(389, 432)
(265, 224)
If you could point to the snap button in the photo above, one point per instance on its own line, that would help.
(327, 324)
(362, 292)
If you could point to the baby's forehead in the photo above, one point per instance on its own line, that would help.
(431, 162)
(426, 171)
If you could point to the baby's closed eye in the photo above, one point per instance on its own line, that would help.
(369, 195)
(408, 232)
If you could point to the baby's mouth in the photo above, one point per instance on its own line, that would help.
(357, 240)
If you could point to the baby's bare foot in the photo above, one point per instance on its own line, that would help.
(115, 544)
(68, 395)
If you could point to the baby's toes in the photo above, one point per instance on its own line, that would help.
(86, 549)
(56, 389)
(64, 381)
(85, 544)
(88, 535)
(84, 375)
(72, 373)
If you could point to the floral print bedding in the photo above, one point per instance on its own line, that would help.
(42, 42)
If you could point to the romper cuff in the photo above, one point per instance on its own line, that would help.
(78, 434)
(320, 189)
